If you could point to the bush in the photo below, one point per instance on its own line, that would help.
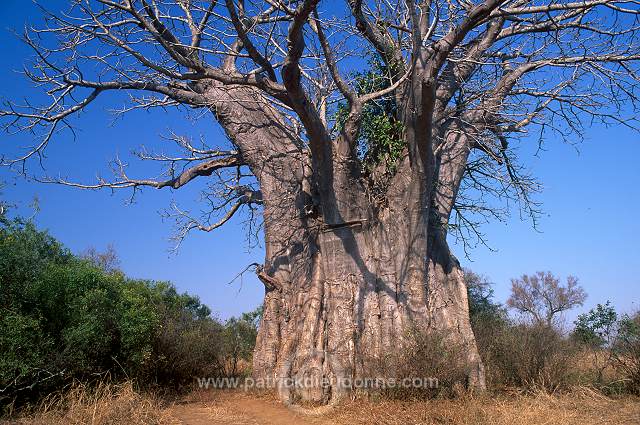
(626, 351)
(532, 357)
(597, 327)
(428, 356)
(187, 345)
(65, 318)
(483, 310)
(434, 355)
(596, 331)
(535, 354)
(611, 342)
(240, 339)
(489, 320)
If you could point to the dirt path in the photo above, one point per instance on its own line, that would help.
(236, 409)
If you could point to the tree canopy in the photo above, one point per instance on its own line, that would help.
(451, 85)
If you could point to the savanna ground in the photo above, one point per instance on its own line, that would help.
(121, 404)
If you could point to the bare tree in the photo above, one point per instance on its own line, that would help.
(107, 260)
(543, 298)
(356, 246)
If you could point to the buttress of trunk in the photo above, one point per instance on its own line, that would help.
(350, 296)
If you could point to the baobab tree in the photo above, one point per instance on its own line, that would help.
(359, 171)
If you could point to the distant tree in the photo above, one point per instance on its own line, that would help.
(107, 260)
(489, 321)
(597, 328)
(240, 338)
(254, 317)
(626, 350)
(543, 298)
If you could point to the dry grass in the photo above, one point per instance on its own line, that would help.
(581, 406)
(121, 404)
(105, 404)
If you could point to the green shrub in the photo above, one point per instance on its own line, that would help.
(23, 346)
(188, 344)
(489, 321)
(626, 351)
(596, 328)
(596, 331)
(239, 340)
(65, 318)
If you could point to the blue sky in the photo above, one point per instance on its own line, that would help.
(590, 228)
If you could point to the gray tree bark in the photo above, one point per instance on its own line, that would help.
(351, 295)
(346, 281)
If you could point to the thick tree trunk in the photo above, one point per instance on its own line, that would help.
(350, 295)
(346, 282)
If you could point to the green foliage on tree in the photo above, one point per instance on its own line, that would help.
(240, 337)
(629, 331)
(66, 318)
(626, 350)
(483, 309)
(380, 140)
(597, 327)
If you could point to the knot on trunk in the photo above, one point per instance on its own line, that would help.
(270, 282)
